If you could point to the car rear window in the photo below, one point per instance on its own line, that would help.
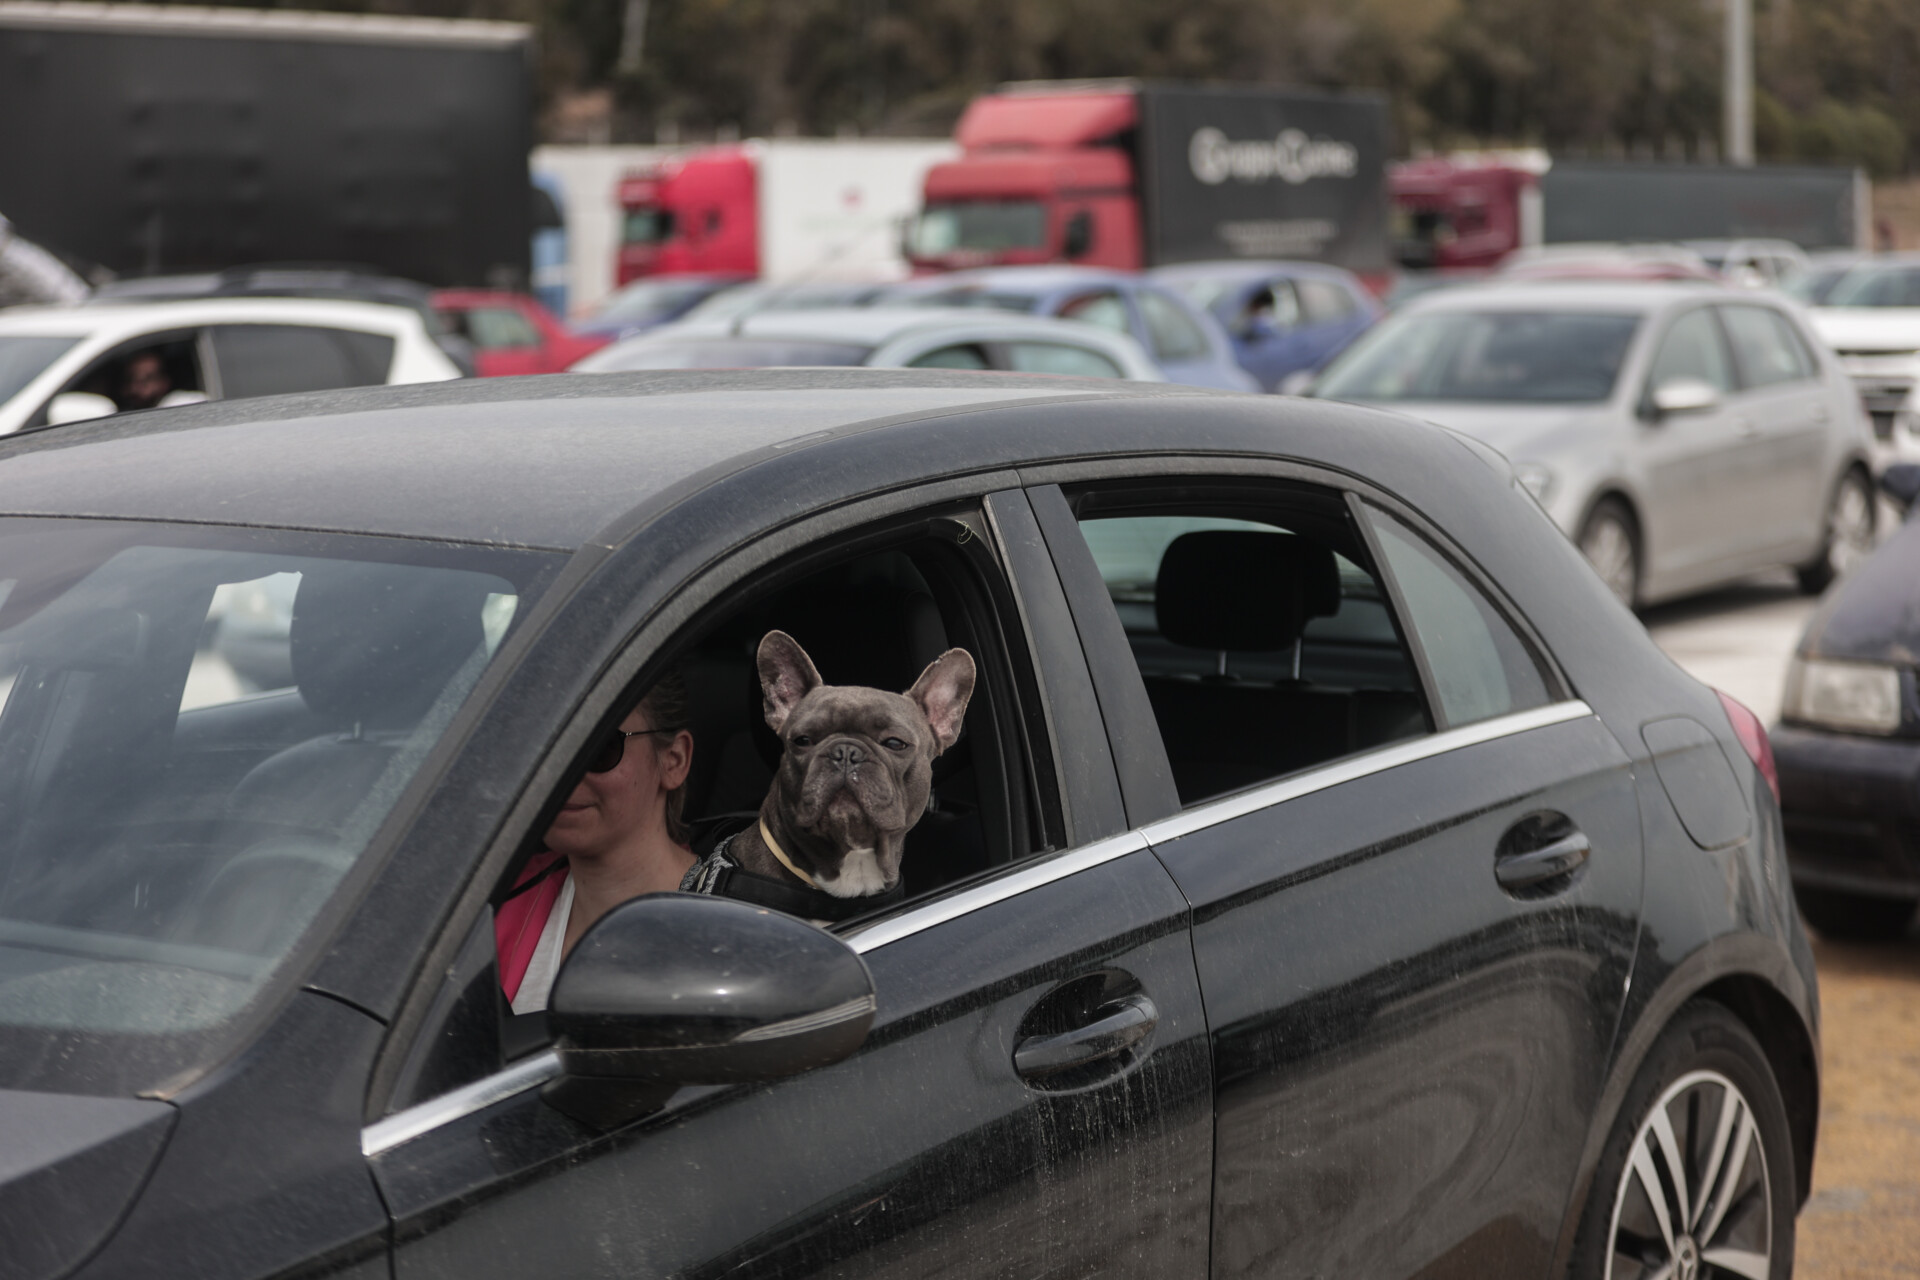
(1520, 357)
(731, 353)
(203, 729)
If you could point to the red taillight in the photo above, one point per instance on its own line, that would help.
(1753, 736)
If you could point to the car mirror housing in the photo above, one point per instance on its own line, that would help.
(671, 989)
(1901, 482)
(78, 406)
(1684, 395)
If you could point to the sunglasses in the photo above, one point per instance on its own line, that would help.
(607, 758)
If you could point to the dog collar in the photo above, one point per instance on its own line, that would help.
(781, 854)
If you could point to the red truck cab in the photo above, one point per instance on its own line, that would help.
(691, 215)
(1043, 176)
(1448, 214)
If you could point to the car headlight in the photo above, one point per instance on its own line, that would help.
(1537, 479)
(1859, 697)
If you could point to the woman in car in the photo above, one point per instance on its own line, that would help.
(620, 834)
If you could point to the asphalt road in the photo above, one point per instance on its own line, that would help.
(1863, 1220)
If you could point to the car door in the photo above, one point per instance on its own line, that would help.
(1269, 337)
(1786, 407)
(508, 343)
(1705, 469)
(1034, 1097)
(1412, 939)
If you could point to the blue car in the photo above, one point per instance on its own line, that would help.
(1186, 342)
(1282, 317)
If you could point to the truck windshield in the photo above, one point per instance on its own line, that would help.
(647, 226)
(981, 225)
(1531, 357)
(23, 357)
(204, 730)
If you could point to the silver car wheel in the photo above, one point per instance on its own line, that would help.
(1607, 543)
(1694, 1199)
(1850, 526)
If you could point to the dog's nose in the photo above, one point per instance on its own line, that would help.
(846, 755)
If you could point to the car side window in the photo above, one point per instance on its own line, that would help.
(1479, 666)
(1765, 347)
(271, 359)
(1265, 643)
(1692, 347)
(966, 355)
(492, 328)
(1173, 333)
(1324, 301)
(1106, 309)
(1059, 358)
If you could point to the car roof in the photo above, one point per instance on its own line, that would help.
(536, 462)
(141, 317)
(1246, 269)
(869, 326)
(1037, 279)
(1573, 295)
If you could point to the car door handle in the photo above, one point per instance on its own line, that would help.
(1523, 868)
(1121, 1025)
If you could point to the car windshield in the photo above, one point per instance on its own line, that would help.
(646, 226)
(1877, 286)
(652, 298)
(203, 730)
(1522, 357)
(978, 225)
(24, 356)
(730, 353)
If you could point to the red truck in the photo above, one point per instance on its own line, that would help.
(779, 209)
(1472, 211)
(1129, 175)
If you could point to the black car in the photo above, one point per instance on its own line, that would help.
(1331, 877)
(1849, 742)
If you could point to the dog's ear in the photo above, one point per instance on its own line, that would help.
(787, 675)
(941, 693)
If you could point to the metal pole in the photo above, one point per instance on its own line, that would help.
(1739, 83)
(633, 37)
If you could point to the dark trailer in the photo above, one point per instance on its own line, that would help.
(150, 140)
(1263, 173)
(1814, 206)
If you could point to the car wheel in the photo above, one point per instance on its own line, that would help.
(1849, 535)
(1610, 540)
(1697, 1178)
(1854, 917)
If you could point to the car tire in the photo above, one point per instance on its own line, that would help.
(1610, 540)
(1710, 1083)
(1854, 917)
(1847, 535)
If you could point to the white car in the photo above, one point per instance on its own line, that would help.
(1871, 319)
(60, 365)
(884, 337)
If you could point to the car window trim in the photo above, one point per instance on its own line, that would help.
(516, 1078)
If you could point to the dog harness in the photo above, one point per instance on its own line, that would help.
(720, 876)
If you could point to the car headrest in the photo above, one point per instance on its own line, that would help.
(1243, 589)
(879, 635)
(375, 644)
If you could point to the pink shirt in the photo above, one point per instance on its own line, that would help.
(518, 923)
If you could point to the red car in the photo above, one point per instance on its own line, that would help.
(511, 332)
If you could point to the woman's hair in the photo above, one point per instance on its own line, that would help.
(665, 705)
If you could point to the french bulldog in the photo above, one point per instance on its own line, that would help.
(854, 776)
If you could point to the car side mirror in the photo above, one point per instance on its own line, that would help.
(1684, 395)
(1901, 482)
(671, 989)
(78, 406)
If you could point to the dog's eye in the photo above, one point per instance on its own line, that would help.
(893, 744)
(800, 740)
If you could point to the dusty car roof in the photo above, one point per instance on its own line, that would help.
(1581, 295)
(539, 462)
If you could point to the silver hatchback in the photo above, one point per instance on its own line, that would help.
(1684, 435)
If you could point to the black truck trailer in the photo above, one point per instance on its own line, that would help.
(156, 140)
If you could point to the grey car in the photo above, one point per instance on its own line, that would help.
(1684, 435)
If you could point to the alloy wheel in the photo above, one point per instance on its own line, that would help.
(1608, 546)
(1694, 1201)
